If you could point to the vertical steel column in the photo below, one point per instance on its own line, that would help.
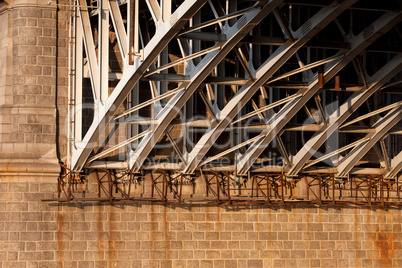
(103, 52)
(78, 79)
(89, 47)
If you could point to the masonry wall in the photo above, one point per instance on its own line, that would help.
(33, 87)
(46, 234)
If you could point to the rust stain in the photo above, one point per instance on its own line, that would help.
(207, 216)
(60, 226)
(207, 219)
(384, 242)
(356, 221)
(219, 221)
(319, 215)
(109, 251)
(111, 228)
(257, 222)
(99, 230)
(291, 216)
(152, 235)
(166, 240)
(307, 232)
(270, 219)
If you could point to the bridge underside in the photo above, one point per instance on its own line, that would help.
(236, 101)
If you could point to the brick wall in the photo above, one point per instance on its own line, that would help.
(38, 234)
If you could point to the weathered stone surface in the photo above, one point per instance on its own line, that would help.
(26, 72)
(148, 234)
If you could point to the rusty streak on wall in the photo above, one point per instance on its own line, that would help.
(157, 235)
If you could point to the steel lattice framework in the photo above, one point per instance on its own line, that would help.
(291, 88)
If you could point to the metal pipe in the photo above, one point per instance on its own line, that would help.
(320, 77)
(337, 82)
(69, 90)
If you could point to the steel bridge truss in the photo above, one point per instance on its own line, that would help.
(276, 92)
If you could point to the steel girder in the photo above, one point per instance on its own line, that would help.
(345, 110)
(207, 47)
(131, 75)
(382, 126)
(396, 166)
(233, 35)
(276, 124)
(267, 69)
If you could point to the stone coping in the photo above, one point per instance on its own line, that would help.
(29, 170)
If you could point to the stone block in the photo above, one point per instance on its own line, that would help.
(29, 256)
(14, 246)
(233, 226)
(47, 32)
(15, 226)
(247, 245)
(206, 263)
(30, 31)
(186, 254)
(230, 263)
(298, 254)
(19, 80)
(31, 236)
(31, 40)
(18, 22)
(30, 128)
(30, 13)
(242, 254)
(255, 263)
(47, 22)
(12, 256)
(31, 70)
(18, 187)
(31, 216)
(14, 265)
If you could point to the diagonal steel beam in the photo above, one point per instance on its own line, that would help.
(378, 111)
(340, 150)
(89, 46)
(155, 10)
(216, 20)
(358, 44)
(383, 125)
(345, 110)
(117, 146)
(384, 154)
(198, 74)
(232, 149)
(267, 69)
(131, 76)
(184, 59)
(266, 108)
(396, 166)
(118, 26)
